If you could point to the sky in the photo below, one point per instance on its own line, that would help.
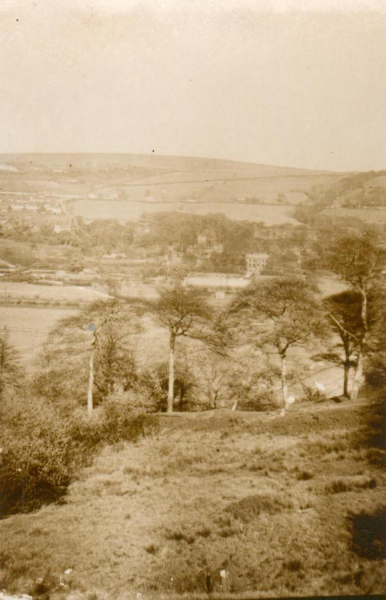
(282, 82)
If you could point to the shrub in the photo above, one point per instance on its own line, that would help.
(312, 395)
(42, 450)
(37, 460)
(125, 420)
(88, 433)
(121, 417)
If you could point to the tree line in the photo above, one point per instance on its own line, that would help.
(92, 354)
(103, 371)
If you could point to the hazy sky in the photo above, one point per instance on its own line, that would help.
(286, 82)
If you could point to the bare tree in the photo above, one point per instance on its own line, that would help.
(214, 377)
(358, 259)
(90, 350)
(184, 313)
(344, 315)
(278, 314)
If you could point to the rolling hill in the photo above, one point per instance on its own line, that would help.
(142, 177)
(124, 186)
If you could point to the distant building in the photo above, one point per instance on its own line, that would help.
(255, 263)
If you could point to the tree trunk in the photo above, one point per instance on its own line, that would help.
(346, 368)
(358, 377)
(171, 375)
(284, 383)
(364, 312)
(90, 403)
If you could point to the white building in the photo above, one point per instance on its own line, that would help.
(216, 281)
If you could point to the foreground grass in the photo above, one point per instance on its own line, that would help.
(223, 502)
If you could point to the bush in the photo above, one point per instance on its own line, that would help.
(88, 433)
(123, 420)
(312, 395)
(37, 459)
(42, 450)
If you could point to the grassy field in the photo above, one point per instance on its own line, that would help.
(366, 214)
(236, 503)
(28, 326)
(132, 211)
(122, 182)
(61, 293)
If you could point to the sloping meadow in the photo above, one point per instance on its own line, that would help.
(216, 502)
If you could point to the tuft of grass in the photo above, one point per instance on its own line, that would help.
(151, 549)
(250, 507)
(338, 486)
(293, 565)
(204, 532)
(178, 535)
(304, 475)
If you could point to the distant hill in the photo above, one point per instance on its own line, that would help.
(361, 190)
(157, 178)
(125, 186)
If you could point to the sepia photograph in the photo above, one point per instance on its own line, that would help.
(192, 299)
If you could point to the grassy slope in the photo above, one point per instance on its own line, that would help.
(248, 493)
(164, 177)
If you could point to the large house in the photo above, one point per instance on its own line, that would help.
(255, 263)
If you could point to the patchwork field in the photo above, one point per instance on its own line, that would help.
(239, 504)
(115, 186)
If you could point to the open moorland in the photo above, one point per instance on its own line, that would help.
(223, 502)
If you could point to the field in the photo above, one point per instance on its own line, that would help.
(28, 327)
(67, 293)
(233, 503)
(132, 211)
(368, 214)
(115, 186)
(119, 186)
